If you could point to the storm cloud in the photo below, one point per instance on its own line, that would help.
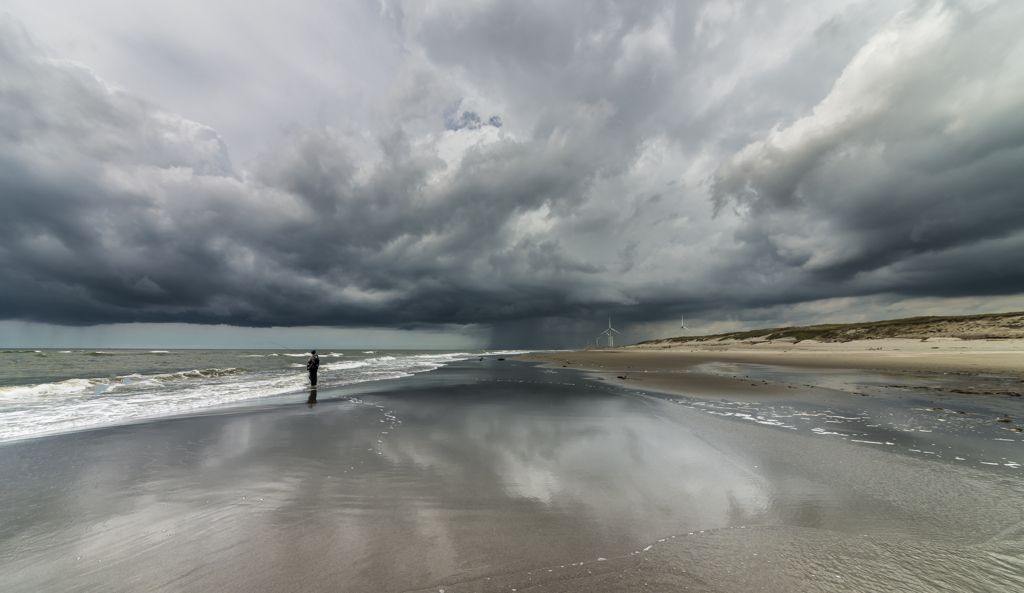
(530, 167)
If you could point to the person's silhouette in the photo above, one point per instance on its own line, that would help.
(312, 365)
(312, 398)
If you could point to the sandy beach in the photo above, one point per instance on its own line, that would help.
(514, 475)
(661, 366)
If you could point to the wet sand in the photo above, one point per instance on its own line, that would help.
(679, 368)
(501, 476)
(940, 355)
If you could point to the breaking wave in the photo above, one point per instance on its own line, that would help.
(58, 406)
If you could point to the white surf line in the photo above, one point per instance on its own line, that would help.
(671, 537)
(545, 570)
(712, 408)
(390, 421)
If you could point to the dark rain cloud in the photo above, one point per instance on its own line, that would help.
(904, 177)
(535, 164)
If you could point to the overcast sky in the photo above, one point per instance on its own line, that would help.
(503, 173)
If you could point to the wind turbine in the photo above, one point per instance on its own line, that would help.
(611, 338)
(682, 323)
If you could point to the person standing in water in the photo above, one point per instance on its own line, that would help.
(312, 364)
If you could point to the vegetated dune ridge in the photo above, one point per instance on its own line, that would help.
(965, 327)
(991, 344)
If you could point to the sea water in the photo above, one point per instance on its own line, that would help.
(48, 391)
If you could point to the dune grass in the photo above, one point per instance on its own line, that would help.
(982, 326)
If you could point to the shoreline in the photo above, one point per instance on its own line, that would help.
(491, 475)
(51, 392)
(677, 369)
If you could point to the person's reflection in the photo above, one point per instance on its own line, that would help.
(312, 398)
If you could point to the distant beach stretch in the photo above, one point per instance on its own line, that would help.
(662, 363)
(717, 467)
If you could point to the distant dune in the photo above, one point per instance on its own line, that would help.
(965, 327)
(991, 344)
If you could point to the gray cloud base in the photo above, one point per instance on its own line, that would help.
(531, 166)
